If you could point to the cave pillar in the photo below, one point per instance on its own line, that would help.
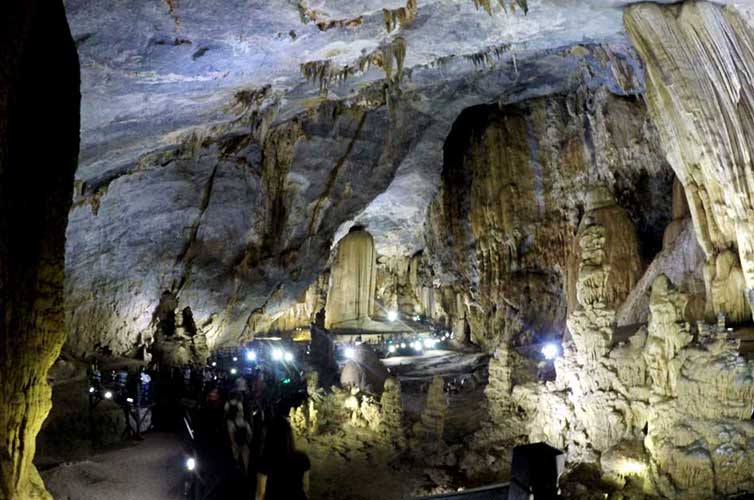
(608, 266)
(39, 140)
(699, 69)
(350, 298)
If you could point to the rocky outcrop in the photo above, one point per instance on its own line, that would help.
(516, 183)
(36, 183)
(699, 69)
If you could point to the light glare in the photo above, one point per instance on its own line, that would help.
(392, 315)
(550, 351)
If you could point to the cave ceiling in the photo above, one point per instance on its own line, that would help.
(154, 72)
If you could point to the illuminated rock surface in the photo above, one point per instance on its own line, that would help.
(515, 179)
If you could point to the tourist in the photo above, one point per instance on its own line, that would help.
(283, 473)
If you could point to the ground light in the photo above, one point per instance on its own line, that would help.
(392, 315)
(190, 463)
(550, 351)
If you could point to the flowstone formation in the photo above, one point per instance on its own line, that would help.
(516, 182)
(36, 183)
(350, 300)
(699, 73)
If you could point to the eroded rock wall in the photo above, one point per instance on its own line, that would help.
(515, 187)
(234, 225)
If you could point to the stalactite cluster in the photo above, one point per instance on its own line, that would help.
(389, 57)
(322, 20)
(488, 5)
(489, 56)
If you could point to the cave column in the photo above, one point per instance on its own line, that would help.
(39, 139)
(350, 299)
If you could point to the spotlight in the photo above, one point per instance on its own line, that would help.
(417, 317)
(190, 464)
(235, 359)
(129, 400)
(108, 395)
(429, 343)
(214, 363)
(251, 356)
(550, 351)
(91, 390)
(288, 356)
(403, 345)
(417, 346)
(392, 315)
(277, 354)
(391, 349)
(233, 371)
(349, 352)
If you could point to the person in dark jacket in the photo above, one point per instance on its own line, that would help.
(283, 472)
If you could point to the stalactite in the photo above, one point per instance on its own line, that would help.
(400, 17)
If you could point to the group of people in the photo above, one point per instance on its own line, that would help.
(259, 436)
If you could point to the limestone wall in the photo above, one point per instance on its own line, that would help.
(516, 183)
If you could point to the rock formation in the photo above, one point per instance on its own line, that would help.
(430, 429)
(36, 183)
(516, 183)
(698, 92)
(350, 297)
(392, 426)
(651, 410)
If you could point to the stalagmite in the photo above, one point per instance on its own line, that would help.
(391, 426)
(350, 300)
(699, 72)
(431, 428)
(36, 185)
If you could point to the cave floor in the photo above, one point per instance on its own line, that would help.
(149, 470)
